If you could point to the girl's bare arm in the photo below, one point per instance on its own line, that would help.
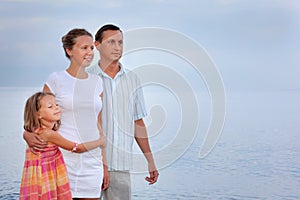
(55, 138)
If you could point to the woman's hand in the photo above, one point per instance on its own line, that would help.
(34, 141)
(106, 180)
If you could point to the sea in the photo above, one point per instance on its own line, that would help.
(257, 155)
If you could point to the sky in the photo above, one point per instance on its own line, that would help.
(254, 44)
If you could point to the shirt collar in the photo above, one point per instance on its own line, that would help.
(99, 71)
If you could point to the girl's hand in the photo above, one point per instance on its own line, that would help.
(102, 141)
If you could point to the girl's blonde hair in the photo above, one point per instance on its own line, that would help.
(32, 106)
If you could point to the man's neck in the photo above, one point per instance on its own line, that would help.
(111, 68)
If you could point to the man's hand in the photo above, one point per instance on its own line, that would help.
(153, 177)
(153, 174)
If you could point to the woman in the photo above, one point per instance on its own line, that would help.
(79, 95)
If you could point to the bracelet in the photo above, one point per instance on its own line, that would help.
(75, 147)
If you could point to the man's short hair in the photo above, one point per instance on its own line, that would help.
(99, 34)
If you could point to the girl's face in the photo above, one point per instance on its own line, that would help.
(49, 110)
(82, 53)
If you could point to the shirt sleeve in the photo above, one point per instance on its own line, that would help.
(139, 104)
(99, 85)
(52, 82)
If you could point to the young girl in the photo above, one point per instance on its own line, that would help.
(44, 174)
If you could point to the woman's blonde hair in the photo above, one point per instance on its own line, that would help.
(32, 106)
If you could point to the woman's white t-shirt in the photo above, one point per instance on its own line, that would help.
(80, 104)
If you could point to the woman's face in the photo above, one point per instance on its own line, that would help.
(82, 53)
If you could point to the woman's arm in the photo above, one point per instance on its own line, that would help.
(55, 138)
(106, 179)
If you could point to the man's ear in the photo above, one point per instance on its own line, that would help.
(96, 43)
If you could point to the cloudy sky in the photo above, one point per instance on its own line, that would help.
(254, 43)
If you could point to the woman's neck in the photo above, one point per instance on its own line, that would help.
(77, 72)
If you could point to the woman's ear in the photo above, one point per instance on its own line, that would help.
(69, 52)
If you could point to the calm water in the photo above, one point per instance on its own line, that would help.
(256, 157)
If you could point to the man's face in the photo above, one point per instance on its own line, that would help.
(111, 47)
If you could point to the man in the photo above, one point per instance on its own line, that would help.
(122, 114)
